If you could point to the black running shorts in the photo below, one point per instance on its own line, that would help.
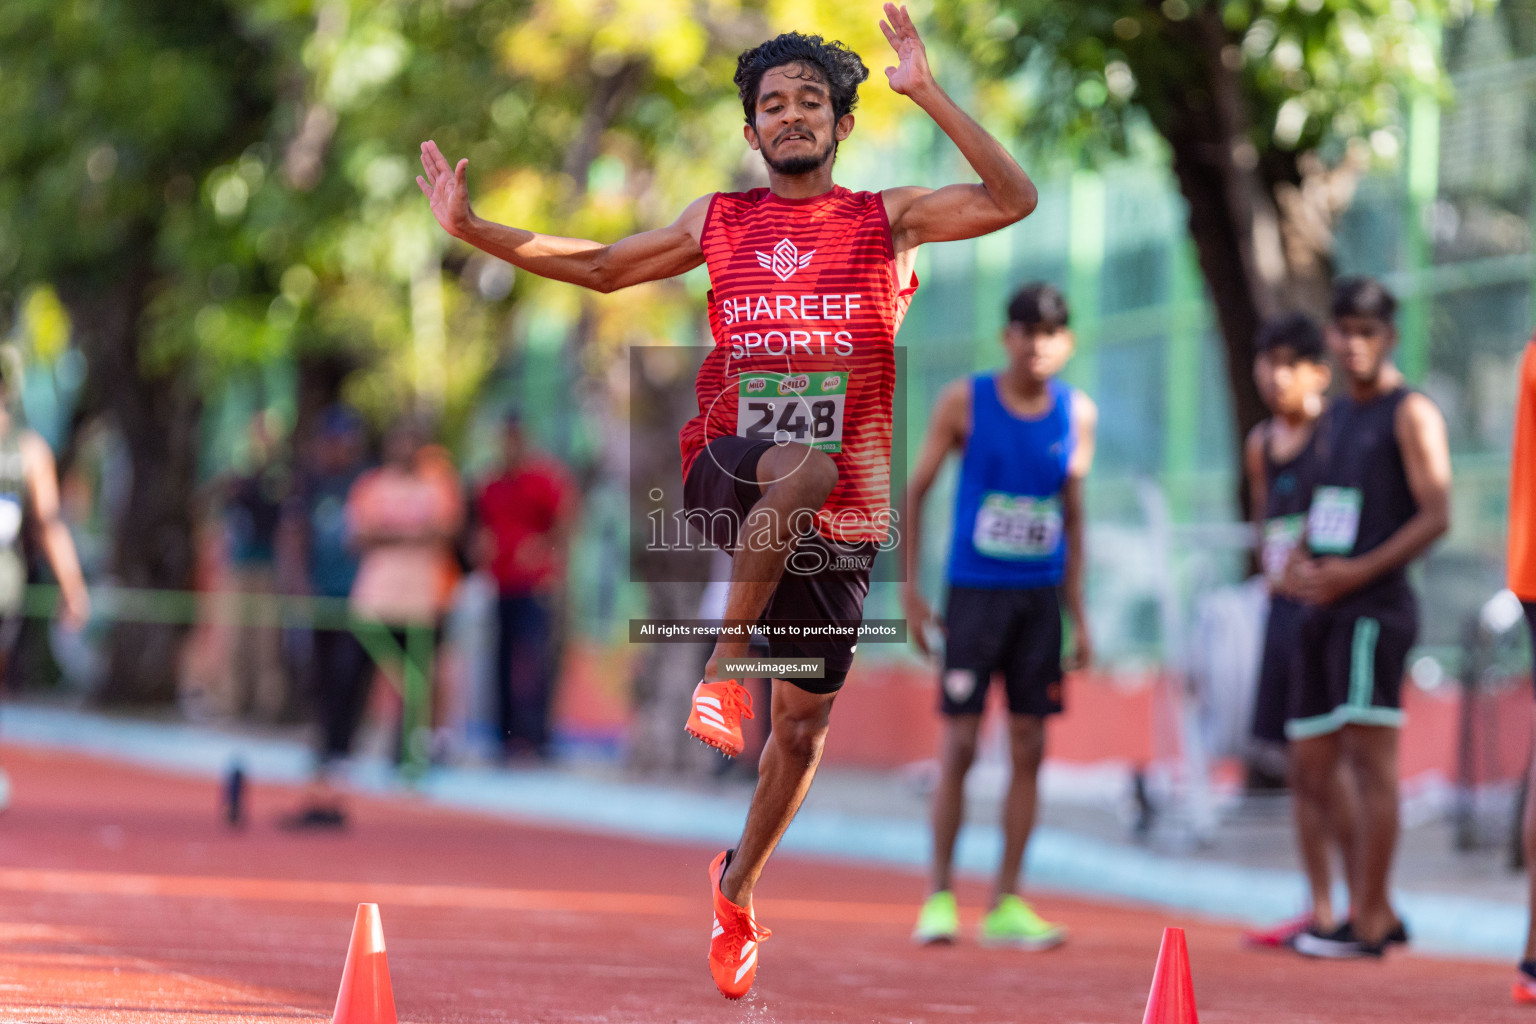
(1350, 663)
(1272, 703)
(825, 582)
(1013, 632)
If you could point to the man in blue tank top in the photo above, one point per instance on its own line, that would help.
(1026, 442)
(1381, 498)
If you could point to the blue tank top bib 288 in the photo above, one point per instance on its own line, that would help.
(1008, 510)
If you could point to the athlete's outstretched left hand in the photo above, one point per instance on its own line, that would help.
(911, 73)
(446, 189)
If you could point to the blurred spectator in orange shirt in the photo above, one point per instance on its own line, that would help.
(404, 518)
(526, 515)
(1521, 570)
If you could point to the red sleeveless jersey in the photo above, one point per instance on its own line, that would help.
(804, 309)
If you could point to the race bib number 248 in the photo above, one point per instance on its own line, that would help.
(803, 407)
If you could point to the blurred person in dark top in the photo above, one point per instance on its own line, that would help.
(1282, 457)
(254, 681)
(1380, 500)
(316, 556)
(29, 500)
(526, 514)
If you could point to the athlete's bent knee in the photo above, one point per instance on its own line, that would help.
(816, 478)
(802, 735)
(803, 742)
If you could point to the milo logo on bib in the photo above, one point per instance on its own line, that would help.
(1017, 527)
(806, 408)
(794, 385)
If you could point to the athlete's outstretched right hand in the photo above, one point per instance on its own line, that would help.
(446, 189)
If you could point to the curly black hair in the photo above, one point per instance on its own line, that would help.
(832, 63)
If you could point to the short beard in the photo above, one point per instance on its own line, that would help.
(797, 165)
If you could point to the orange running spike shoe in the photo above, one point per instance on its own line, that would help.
(734, 940)
(718, 709)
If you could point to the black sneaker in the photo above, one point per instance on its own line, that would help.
(315, 816)
(1340, 944)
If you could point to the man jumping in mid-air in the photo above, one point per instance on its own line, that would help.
(787, 464)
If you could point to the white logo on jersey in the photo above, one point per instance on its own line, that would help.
(784, 260)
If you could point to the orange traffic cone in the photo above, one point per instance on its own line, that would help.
(1172, 1000)
(365, 996)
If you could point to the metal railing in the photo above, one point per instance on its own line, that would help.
(406, 666)
(1492, 662)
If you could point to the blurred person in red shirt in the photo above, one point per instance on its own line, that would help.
(526, 513)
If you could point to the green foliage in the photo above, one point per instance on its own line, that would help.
(262, 155)
(1314, 73)
(104, 105)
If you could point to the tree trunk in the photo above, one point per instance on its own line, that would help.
(1252, 259)
(320, 379)
(156, 537)
(158, 416)
(1232, 217)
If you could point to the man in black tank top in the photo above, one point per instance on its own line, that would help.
(1381, 499)
(1280, 461)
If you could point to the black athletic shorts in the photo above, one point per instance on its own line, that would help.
(1013, 632)
(824, 582)
(1272, 702)
(1350, 662)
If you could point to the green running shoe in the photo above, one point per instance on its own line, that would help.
(1015, 924)
(939, 920)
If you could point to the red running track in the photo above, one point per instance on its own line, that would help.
(123, 899)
